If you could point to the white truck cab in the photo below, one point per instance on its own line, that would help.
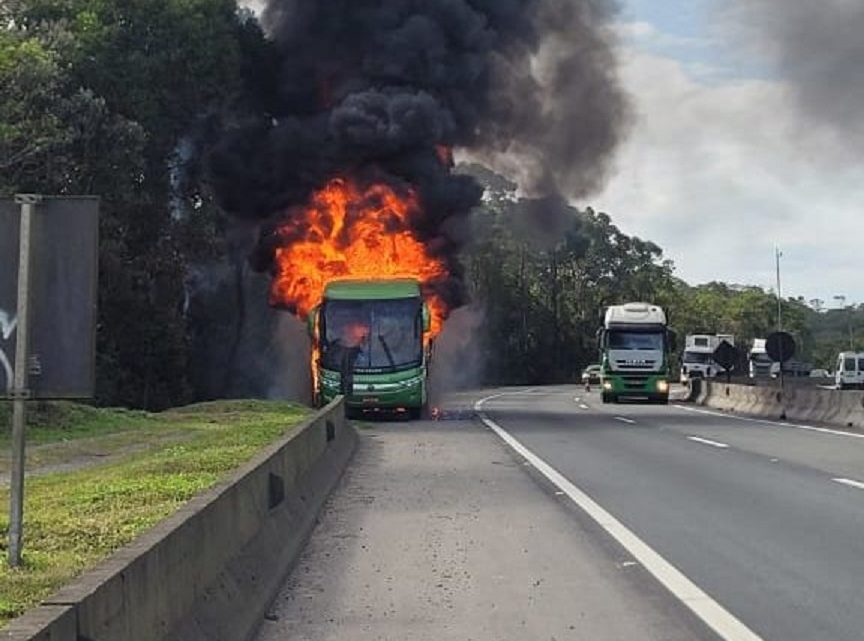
(761, 365)
(850, 370)
(698, 359)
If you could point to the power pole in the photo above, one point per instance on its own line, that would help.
(778, 255)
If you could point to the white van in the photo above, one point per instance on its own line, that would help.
(850, 370)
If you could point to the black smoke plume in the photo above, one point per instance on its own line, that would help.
(378, 89)
(818, 48)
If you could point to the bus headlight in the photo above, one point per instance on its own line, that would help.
(662, 386)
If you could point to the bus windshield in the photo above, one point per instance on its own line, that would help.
(379, 335)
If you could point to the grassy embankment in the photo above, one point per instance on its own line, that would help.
(99, 477)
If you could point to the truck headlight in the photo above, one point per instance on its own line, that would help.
(662, 386)
(607, 385)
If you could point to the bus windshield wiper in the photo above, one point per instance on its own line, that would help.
(387, 351)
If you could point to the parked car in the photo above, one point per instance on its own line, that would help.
(591, 375)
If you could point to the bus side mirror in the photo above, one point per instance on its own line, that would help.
(427, 319)
(312, 322)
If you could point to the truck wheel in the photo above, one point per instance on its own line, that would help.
(605, 398)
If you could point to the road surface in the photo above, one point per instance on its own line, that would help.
(440, 530)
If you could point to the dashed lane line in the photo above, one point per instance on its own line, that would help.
(808, 428)
(850, 483)
(706, 441)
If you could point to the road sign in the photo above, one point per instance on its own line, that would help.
(62, 296)
(780, 346)
(726, 356)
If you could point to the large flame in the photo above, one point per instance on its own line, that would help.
(348, 231)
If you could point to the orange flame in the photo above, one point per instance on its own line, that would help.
(352, 232)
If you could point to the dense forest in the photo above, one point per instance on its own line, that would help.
(121, 98)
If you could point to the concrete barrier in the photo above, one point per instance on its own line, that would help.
(209, 571)
(796, 403)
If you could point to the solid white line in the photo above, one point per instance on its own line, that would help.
(809, 428)
(703, 606)
(583, 406)
(629, 421)
(705, 441)
(850, 483)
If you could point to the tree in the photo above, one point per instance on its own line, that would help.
(117, 98)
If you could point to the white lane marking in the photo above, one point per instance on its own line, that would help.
(582, 406)
(809, 428)
(629, 421)
(705, 441)
(577, 399)
(850, 483)
(714, 615)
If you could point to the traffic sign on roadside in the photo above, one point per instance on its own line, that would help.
(780, 346)
(726, 356)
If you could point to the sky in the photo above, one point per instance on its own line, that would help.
(720, 165)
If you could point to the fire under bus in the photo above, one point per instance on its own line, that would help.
(371, 340)
(635, 345)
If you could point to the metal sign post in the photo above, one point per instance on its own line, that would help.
(20, 392)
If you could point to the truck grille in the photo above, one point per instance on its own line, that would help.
(634, 381)
(637, 365)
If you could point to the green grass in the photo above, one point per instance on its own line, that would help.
(75, 519)
(51, 422)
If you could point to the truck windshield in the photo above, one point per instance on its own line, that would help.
(635, 340)
(697, 357)
(761, 358)
(381, 335)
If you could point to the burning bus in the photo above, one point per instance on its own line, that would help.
(371, 343)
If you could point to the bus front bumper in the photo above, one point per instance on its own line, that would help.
(407, 393)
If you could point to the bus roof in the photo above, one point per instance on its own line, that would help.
(372, 289)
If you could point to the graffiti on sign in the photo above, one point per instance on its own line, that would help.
(7, 329)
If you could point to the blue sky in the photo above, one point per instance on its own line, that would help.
(678, 17)
(720, 166)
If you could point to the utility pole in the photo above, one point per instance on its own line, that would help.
(841, 298)
(778, 254)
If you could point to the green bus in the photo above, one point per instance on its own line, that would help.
(370, 343)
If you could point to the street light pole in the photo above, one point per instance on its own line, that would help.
(841, 298)
(778, 254)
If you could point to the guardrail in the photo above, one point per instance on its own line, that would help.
(209, 571)
(841, 408)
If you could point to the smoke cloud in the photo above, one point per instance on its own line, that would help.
(379, 90)
(818, 48)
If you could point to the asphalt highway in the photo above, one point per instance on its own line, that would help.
(553, 516)
(767, 518)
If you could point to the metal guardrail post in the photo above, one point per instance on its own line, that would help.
(20, 392)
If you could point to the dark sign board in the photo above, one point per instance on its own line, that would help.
(63, 278)
(726, 356)
(780, 346)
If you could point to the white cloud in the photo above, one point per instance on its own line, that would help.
(717, 171)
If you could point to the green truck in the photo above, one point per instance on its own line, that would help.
(635, 346)
(371, 344)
